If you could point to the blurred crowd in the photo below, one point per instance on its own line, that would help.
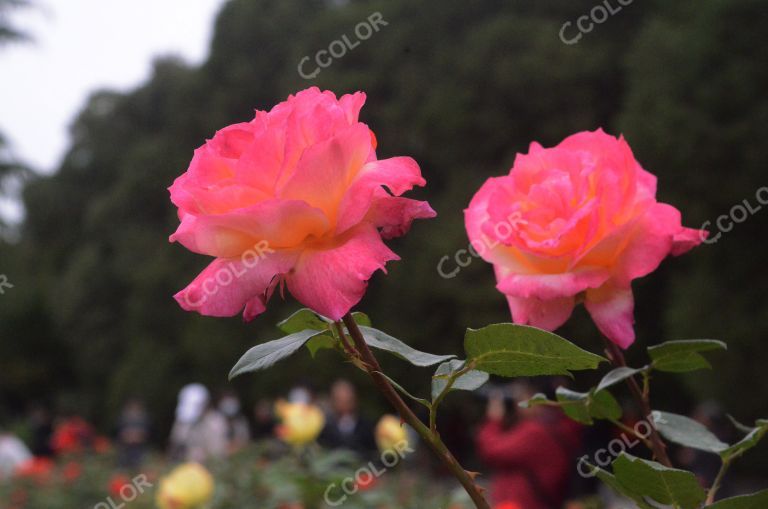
(530, 454)
(206, 428)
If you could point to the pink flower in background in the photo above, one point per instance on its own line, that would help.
(295, 197)
(575, 222)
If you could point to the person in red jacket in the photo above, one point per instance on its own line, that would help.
(532, 452)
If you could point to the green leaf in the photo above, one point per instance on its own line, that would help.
(361, 318)
(618, 375)
(303, 319)
(665, 485)
(687, 432)
(683, 355)
(604, 406)
(757, 500)
(739, 426)
(749, 441)
(321, 342)
(405, 392)
(613, 483)
(383, 341)
(518, 350)
(583, 407)
(469, 381)
(536, 400)
(266, 354)
(576, 404)
(321, 464)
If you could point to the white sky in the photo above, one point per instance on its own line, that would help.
(82, 45)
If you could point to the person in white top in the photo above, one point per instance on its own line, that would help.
(200, 431)
(13, 453)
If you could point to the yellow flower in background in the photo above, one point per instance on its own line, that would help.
(300, 423)
(188, 486)
(391, 434)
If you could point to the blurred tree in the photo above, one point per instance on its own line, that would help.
(12, 172)
(8, 31)
(695, 109)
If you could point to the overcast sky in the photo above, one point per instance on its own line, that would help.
(82, 45)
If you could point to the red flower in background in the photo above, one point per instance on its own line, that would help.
(37, 469)
(72, 435)
(365, 485)
(117, 483)
(102, 445)
(72, 471)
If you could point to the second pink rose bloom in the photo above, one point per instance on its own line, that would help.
(575, 222)
(294, 197)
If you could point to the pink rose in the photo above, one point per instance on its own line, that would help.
(574, 223)
(295, 197)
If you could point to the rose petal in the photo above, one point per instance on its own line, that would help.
(325, 169)
(612, 309)
(261, 163)
(649, 244)
(399, 174)
(226, 285)
(310, 118)
(208, 186)
(231, 141)
(489, 248)
(278, 223)
(687, 239)
(394, 214)
(332, 280)
(544, 314)
(352, 104)
(551, 286)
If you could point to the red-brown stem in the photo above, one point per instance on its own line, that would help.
(659, 448)
(432, 439)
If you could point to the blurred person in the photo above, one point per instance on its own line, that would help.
(13, 454)
(41, 430)
(345, 427)
(300, 394)
(199, 433)
(532, 450)
(238, 430)
(193, 398)
(133, 433)
(263, 419)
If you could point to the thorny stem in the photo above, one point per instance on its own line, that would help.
(372, 367)
(642, 399)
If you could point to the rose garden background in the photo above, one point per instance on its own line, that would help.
(460, 86)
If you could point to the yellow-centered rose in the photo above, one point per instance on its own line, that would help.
(391, 434)
(188, 486)
(300, 423)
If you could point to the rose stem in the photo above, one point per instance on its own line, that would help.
(641, 398)
(718, 481)
(373, 369)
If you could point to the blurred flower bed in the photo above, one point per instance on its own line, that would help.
(265, 475)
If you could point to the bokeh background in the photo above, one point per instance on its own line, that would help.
(462, 87)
